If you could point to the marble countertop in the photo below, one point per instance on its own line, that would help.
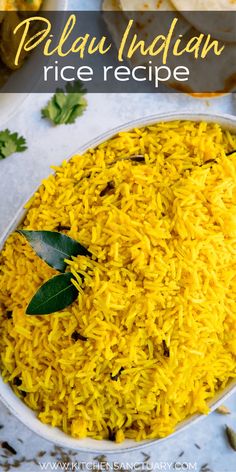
(203, 447)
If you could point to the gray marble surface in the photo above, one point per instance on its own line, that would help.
(203, 447)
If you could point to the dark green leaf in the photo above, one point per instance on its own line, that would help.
(76, 87)
(65, 107)
(55, 295)
(54, 247)
(10, 143)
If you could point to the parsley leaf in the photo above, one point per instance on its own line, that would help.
(65, 107)
(10, 143)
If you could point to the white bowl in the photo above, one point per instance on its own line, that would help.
(25, 414)
(10, 103)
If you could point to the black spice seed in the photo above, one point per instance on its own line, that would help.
(231, 152)
(146, 457)
(8, 447)
(100, 458)
(1, 426)
(62, 228)
(181, 454)
(9, 315)
(166, 349)
(210, 161)
(23, 393)
(205, 468)
(197, 446)
(41, 453)
(108, 189)
(17, 382)
(78, 337)
(111, 434)
(116, 377)
(137, 159)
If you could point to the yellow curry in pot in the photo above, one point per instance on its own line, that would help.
(8, 41)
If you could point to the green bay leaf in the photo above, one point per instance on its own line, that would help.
(54, 247)
(55, 295)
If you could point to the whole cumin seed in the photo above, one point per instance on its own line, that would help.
(166, 349)
(8, 447)
(17, 382)
(62, 228)
(230, 153)
(108, 189)
(116, 377)
(111, 434)
(78, 337)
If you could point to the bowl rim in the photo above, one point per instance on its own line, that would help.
(27, 416)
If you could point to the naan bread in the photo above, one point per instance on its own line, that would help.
(205, 5)
(209, 76)
(145, 24)
(223, 78)
(142, 13)
(220, 26)
(148, 5)
(116, 24)
(111, 5)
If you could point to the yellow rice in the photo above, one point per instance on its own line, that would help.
(163, 276)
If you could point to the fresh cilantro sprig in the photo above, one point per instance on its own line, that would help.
(10, 143)
(65, 107)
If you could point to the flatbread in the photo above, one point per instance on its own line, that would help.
(115, 24)
(205, 5)
(220, 26)
(217, 74)
(223, 78)
(145, 23)
(111, 5)
(148, 5)
(142, 12)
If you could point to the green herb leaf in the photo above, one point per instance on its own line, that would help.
(55, 295)
(65, 107)
(54, 247)
(231, 435)
(10, 143)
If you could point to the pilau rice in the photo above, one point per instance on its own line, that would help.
(157, 304)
